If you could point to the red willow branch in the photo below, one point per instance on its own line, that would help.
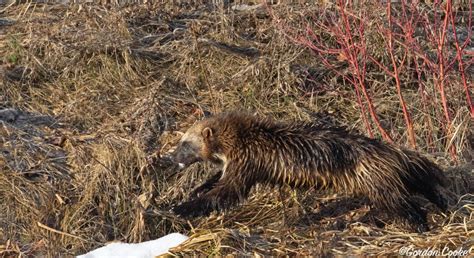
(442, 74)
(396, 75)
(459, 54)
(352, 54)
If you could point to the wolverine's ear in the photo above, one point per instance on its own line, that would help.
(206, 132)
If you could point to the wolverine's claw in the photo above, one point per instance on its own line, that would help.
(199, 191)
(206, 186)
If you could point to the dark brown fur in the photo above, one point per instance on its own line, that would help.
(255, 150)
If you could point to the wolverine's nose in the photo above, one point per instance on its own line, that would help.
(178, 158)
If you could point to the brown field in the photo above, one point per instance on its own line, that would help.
(92, 95)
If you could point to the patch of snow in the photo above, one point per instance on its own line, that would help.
(140, 250)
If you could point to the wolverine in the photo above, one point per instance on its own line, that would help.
(254, 150)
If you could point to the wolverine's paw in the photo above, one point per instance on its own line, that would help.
(200, 191)
(191, 209)
(207, 186)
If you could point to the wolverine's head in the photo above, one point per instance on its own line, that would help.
(199, 143)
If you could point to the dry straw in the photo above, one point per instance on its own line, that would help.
(92, 96)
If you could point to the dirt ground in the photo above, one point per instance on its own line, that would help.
(91, 96)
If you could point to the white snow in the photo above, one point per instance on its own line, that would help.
(140, 250)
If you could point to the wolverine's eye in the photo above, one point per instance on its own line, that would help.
(185, 144)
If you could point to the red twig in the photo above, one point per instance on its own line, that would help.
(459, 54)
(351, 54)
(395, 74)
(442, 74)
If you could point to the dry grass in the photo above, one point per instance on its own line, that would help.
(91, 96)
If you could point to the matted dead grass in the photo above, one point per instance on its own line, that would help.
(92, 96)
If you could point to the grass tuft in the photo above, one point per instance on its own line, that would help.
(93, 96)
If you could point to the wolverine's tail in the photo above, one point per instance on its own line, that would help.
(427, 179)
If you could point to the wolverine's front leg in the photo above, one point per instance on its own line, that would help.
(221, 197)
(233, 188)
(206, 186)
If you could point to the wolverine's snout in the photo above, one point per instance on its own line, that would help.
(185, 155)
